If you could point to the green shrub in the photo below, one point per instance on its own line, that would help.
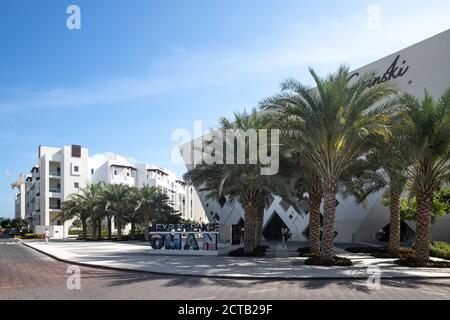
(32, 236)
(75, 232)
(440, 249)
(336, 262)
(382, 253)
(413, 263)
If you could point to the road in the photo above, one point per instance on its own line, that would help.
(27, 274)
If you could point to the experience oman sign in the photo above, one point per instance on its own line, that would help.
(184, 239)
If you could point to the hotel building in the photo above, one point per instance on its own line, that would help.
(61, 172)
(423, 66)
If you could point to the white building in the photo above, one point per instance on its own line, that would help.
(20, 202)
(425, 65)
(61, 172)
(115, 169)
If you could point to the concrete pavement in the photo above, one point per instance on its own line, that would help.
(27, 274)
(135, 256)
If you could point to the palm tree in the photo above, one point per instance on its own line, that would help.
(302, 180)
(165, 213)
(428, 131)
(74, 207)
(117, 197)
(149, 199)
(94, 192)
(108, 214)
(242, 182)
(385, 167)
(131, 215)
(394, 166)
(84, 205)
(335, 125)
(314, 189)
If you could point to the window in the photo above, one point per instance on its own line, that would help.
(128, 174)
(76, 185)
(92, 171)
(75, 169)
(115, 172)
(76, 151)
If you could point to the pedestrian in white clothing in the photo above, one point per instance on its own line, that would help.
(46, 235)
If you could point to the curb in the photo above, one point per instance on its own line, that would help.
(82, 264)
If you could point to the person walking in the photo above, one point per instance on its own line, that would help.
(283, 237)
(46, 235)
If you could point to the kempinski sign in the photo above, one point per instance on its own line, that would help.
(394, 71)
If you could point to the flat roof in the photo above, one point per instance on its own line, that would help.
(123, 166)
(158, 170)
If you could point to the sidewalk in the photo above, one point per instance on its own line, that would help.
(135, 256)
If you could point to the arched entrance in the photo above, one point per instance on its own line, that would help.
(406, 233)
(272, 231)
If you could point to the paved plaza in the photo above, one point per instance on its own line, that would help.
(279, 265)
(28, 274)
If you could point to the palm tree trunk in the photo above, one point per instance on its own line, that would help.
(133, 230)
(250, 211)
(84, 224)
(394, 226)
(146, 229)
(109, 227)
(423, 226)
(99, 229)
(119, 229)
(328, 224)
(94, 228)
(259, 221)
(314, 223)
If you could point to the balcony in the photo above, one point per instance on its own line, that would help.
(54, 168)
(54, 204)
(54, 185)
(55, 173)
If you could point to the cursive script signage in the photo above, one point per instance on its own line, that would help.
(394, 71)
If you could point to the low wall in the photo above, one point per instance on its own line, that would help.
(55, 232)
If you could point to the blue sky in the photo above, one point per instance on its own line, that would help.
(139, 69)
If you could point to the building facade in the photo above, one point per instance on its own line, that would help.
(19, 201)
(423, 66)
(61, 172)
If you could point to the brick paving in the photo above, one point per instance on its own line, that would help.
(26, 274)
(137, 256)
